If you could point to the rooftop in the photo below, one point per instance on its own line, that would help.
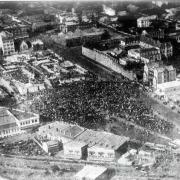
(91, 172)
(62, 129)
(102, 139)
(21, 115)
(6, 119)
(148, 17)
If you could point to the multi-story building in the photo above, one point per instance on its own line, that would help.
(159, 74)
(73, 25)
(165, 48)
(19, 31)
(8, 124)
(25, 119)
(13, 121)
(156, 33)
(144, 22)
(145, 55)
(76, 40)
(126, 42)
(7, 43)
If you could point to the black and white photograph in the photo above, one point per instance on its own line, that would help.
(90, 90)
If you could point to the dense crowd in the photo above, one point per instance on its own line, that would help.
(89, 102)
(18, 75)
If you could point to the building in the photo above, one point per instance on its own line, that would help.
(145, 158)
(175, 36)
(159, 74)
(103, 146)
(93, 173)
(75, 150)
(145, 55)
(165, 48)
(19, 31)
(156, 33)
(80, 143)
(61, 131)
(144, 22)
(100, 55)
(72, 26)
(25, 119)
(51, 146)
(128, 42)
(8, 124)
(37, 44)
(79, 39)
(7, 43)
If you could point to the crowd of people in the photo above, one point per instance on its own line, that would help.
(88, 103)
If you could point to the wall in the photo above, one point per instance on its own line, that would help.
(101, 154)
(108, 61)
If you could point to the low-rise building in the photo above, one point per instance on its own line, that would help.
(93, 173)
(51, 146)
(143, 22)
(103, 146)
(165, 48)
(75, 150)
(61, 131)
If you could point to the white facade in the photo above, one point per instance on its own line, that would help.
(145, 21)
(75, 150)
(10, 131)
(101, 154)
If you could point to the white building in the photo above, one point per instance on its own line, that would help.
(8, 124)
(103, 146)
(93, 173)
(25, 119)
(75, 150)
(145, 21)
(51, 146)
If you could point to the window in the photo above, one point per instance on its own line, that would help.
(100, 154)
(91, 153)
(110, 155)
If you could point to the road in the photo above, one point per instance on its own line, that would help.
(31, 163)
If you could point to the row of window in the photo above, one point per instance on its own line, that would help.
(74, 152)
(101, 154)
(9, 131)
(29, 122)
